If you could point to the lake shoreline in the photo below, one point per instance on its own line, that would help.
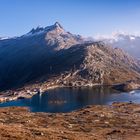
(30, 90)
(30, 94)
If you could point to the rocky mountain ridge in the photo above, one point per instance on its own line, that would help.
(100, 64)
(45, 53)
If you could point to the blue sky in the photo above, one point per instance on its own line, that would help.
(85, 17)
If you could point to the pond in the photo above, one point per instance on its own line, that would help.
(69, 99)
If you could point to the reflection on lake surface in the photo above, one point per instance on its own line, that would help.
(69, 99)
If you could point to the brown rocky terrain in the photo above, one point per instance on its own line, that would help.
(121, 121)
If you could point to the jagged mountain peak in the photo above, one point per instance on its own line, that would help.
(55, 27)
(58, 25)
(53, 37)
(37, 29)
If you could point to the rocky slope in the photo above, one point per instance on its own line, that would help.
(97, 63)
(52, 53)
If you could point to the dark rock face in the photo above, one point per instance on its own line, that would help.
(51, 51)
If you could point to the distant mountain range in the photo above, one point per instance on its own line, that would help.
(129, 43)
(43, 53)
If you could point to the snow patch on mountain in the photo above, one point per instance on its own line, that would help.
(4, 38)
